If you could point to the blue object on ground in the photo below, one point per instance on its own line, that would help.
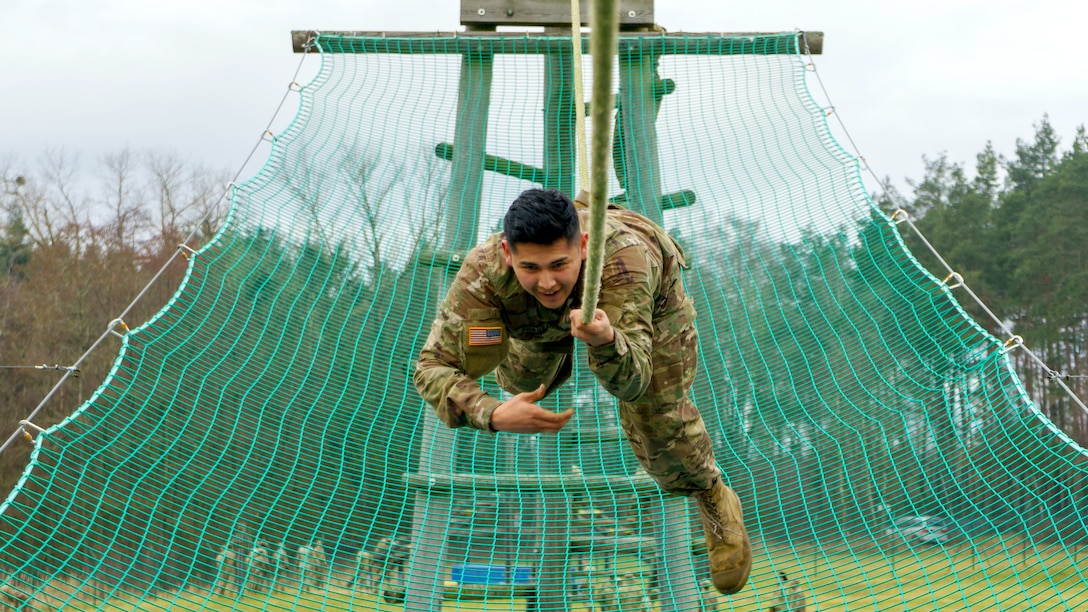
(479, 573)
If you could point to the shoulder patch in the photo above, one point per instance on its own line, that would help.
(484, 336)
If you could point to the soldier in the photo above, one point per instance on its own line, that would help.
(514, 309)
(790, 598)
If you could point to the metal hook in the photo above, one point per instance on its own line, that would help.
(1013, 342)
(114, 323)
(24, 424)
(956, 276)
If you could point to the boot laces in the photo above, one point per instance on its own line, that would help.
(712, 516)
(710, 513)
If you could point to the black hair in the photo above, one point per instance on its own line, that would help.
(540, 216)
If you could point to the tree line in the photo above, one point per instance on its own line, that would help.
(1017, 232)
(78, 242)
(250, 406)
(75, 251)
(850, 389)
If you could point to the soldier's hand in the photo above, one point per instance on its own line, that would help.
(597, 332)
(520, 414)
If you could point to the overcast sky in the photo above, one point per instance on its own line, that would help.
(202, 77)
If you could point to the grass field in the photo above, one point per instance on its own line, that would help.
(1004, 576)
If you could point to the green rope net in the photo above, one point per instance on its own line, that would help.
(259, 443)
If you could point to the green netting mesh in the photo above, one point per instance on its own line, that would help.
(259, 443)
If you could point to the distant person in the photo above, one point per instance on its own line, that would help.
(514, 308)
(790, 598)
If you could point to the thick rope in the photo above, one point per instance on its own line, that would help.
(579, 95)
(604, 26)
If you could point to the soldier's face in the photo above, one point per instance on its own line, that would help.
(549, 272)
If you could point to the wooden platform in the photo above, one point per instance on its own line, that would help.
(534, 43)
(640, 484)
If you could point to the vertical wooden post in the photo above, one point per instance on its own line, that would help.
(639, 132)
(466, 183)
(674, 532)
(559, 123)
(425, 574)
(425, 582)
(553, 580)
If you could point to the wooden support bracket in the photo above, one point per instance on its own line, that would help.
(548, 13)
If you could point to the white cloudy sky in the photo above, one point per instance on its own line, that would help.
(202, 77)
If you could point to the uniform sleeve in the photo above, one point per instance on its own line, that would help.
(450, 364)
(624, 367)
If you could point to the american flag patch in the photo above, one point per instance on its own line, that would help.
(484, 336)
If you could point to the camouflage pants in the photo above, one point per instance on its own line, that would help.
(664, 428)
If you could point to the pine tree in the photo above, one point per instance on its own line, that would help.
(15, 245)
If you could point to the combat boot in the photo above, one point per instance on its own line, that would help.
(726, 539)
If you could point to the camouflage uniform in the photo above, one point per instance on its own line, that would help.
(488, 322)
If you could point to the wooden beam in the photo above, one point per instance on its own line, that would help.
(669, 201)
(501, 165)
(452, 484)
(530, 43)
(525, 172)
(633, 13)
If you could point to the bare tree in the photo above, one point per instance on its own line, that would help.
(370, 191)
(426, 197)
(10, 179)
(167, 178)
(125, 197)
(187, 199)
(207, 191)
(52, 206)
(90, 256)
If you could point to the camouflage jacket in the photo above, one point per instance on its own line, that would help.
(487, 321)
